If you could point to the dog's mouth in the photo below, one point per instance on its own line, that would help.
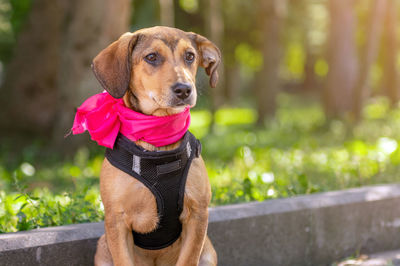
(175, 104)
(182, 103)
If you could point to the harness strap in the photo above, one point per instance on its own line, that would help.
(164, 173)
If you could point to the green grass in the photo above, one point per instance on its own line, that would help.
(298, 152)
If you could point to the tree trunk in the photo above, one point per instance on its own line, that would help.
(103, 23)
(50, 73)
(215, 32)
(28, 94)
(214, 29)
(267, 80)
(310, 79)
(167, 17)
(375, 24)
(342, 59)
(390, 82)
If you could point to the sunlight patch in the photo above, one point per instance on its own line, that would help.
(387, 145)
(268, 177)
(28, 169)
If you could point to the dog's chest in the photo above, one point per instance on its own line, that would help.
(140, 207)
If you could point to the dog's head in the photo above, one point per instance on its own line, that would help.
(154, 69)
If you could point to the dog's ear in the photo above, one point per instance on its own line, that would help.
(210, 56)
(112, 66)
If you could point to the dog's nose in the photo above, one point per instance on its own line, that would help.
(182, 90)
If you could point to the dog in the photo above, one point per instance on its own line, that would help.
(153, 70)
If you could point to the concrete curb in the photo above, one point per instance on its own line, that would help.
(387, 258)
(306, 230)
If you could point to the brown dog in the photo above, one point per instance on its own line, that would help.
(142, 67)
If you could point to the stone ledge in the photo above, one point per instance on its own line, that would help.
(50, 236)
(313, 201)
(305, 230)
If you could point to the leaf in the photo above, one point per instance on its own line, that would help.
(21, 216)
(34, 198)
(303, 181)
(23, 206)
(19, 196)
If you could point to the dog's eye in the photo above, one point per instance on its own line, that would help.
(151, 57)
(189, 57)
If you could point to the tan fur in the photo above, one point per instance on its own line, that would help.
(128, 204)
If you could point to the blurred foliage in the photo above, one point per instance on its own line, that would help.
(42, 208)
(298, 152)
(13, 14)
(145, 14)
(55, 194)
(190, 6)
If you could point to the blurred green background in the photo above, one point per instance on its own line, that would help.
(307, 100)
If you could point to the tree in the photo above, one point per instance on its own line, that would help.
(267, 80)
(300, 19)
(342, 59)
(237, 35)
(215, 31)
(310, 82)
(390, 81)
(167, 17)
(28, 94)
(50, 73)
(375, 23)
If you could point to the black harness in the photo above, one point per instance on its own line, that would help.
(165, 174)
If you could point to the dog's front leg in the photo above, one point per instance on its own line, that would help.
(119, 239)
(193, 233)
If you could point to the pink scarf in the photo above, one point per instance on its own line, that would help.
(104, 116)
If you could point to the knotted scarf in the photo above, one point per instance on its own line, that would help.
(104, 117)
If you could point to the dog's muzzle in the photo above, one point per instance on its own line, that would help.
(182, 94)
